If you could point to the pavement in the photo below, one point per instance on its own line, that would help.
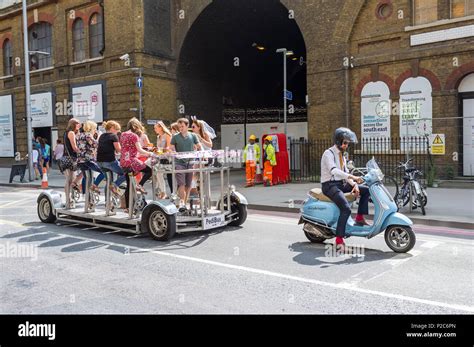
(450, 207)
(266, 266)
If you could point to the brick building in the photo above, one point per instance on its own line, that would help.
(357, 54)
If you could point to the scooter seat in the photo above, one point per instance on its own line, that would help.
(317, 193)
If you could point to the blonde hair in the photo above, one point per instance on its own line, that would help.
(89, 126)
(136, 126)
(111, 124)
(164, 127)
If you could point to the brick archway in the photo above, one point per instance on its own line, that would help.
(42, 17)
(341, 31)
(370, 78)
(457, 75)
(429, 75)
(4, 37)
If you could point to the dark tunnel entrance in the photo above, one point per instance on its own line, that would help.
(229, 60)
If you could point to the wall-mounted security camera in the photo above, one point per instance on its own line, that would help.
(126, 59)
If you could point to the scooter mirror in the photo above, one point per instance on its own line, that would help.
(350, 165)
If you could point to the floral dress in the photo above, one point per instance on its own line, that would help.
(129, 153)
(87, 148)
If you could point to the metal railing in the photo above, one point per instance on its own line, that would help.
(305, 156)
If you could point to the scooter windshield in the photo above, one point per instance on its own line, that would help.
(373, 167)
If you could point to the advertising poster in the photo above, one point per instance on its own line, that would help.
(375, 115)
(88, 103)
(416, 111)
(6, 127)
(41, 110)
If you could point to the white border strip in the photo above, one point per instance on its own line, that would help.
(442, 35)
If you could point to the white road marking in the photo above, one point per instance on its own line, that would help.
(15, 202)
(273, 219)
(343, 286)
(398, 260)
(430, 244)
(15, 224)
(18, 215)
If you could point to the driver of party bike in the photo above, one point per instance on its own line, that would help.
(336, 180)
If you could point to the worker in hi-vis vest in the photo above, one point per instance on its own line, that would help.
(252, 159)
(269, 161)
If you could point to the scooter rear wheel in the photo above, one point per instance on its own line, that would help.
(400, 238)
(314, 238)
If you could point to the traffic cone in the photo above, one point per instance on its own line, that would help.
(44, 182)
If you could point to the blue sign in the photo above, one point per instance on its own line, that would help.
(289, 95)
(140, 82)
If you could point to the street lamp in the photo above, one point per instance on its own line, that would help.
(27, 91)
(27, 53)
(285, 54)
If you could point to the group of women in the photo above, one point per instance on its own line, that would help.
(120, 152)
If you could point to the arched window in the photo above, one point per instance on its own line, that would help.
(7, 58)
(40, 40)
(78, 40)
(96, 36)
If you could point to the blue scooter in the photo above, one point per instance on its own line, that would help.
(319, 215)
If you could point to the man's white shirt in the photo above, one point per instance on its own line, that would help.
(331, 169)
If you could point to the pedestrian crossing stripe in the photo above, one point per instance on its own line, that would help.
(437, 140)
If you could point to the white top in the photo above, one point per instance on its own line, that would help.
(204, 147)
(331, 169)
(251, 152)
(59, 151)
(35, 155)
(143, 140)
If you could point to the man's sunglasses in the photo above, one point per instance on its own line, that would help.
(345, 142)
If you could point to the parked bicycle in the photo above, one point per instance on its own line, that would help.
(411, 182)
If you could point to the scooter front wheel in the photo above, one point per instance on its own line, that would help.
(400, 238)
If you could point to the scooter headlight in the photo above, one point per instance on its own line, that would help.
(379, 174)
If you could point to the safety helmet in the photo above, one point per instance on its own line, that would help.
(342, 134)
(252, 137)
(269, 138)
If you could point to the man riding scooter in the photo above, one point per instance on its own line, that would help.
(336, 181)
